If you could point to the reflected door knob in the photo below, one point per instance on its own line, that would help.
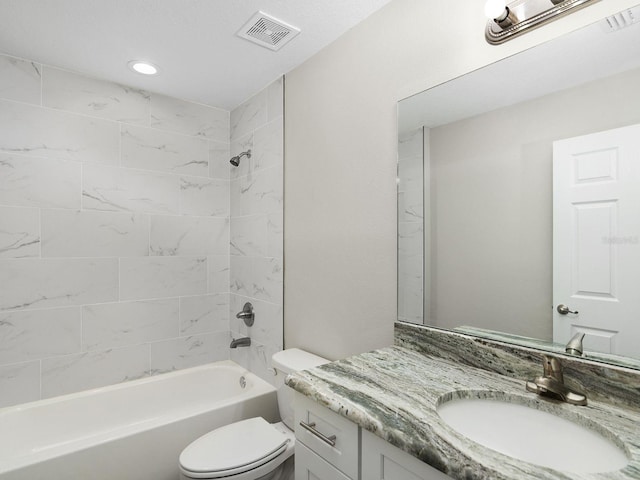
(563, 310)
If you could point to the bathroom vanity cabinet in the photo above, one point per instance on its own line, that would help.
(355, 454)
(383, 407)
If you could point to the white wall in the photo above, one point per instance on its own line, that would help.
(340, 148)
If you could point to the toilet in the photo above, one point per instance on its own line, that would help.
(251, 449)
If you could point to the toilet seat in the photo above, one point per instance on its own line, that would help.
(234, 449)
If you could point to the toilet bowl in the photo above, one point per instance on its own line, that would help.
(251, 449)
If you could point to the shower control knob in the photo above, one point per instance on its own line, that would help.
(247, 314)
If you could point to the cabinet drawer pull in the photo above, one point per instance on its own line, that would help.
(311, 427)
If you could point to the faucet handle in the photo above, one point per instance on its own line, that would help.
(576, 398)
(533, 387)
(247, 314)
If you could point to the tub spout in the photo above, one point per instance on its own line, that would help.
(240, 342)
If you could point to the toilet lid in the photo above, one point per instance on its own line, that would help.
(234, 448)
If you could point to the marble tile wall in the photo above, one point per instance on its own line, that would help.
(114, 230)
(256, 269)
(410, 227)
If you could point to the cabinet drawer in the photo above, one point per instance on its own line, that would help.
(310, 466)
(325, 423)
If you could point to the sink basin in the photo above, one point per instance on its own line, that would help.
(533, 436)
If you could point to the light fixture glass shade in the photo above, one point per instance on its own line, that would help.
(495, 8)
(142, 67)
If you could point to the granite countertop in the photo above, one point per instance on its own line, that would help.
(394, 392)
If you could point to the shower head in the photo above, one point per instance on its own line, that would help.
(235, 161)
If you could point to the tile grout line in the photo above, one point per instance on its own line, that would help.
(41, 84)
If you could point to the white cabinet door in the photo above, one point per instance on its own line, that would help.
(383, 461)
(321, 422)
(596, 239)
(310, 466)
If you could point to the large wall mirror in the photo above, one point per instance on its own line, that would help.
(519, 197)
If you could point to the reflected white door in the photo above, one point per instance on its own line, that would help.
(596, 240)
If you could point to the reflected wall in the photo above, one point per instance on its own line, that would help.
(491, 190)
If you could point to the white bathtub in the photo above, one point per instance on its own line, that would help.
(134, 430)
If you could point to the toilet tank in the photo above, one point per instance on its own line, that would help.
(284, 363)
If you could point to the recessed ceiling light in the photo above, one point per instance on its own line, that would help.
(145, 68)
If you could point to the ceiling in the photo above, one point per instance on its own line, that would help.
(192, 41)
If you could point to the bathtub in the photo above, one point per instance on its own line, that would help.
(133, 430)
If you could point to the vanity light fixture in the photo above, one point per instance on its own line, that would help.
(143, 67)
(520, 16)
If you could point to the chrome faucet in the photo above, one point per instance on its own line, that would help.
(240, 342)
(552, 382)
(574, 347)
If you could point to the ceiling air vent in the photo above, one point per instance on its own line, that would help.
(267, 31)
(621, 20)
